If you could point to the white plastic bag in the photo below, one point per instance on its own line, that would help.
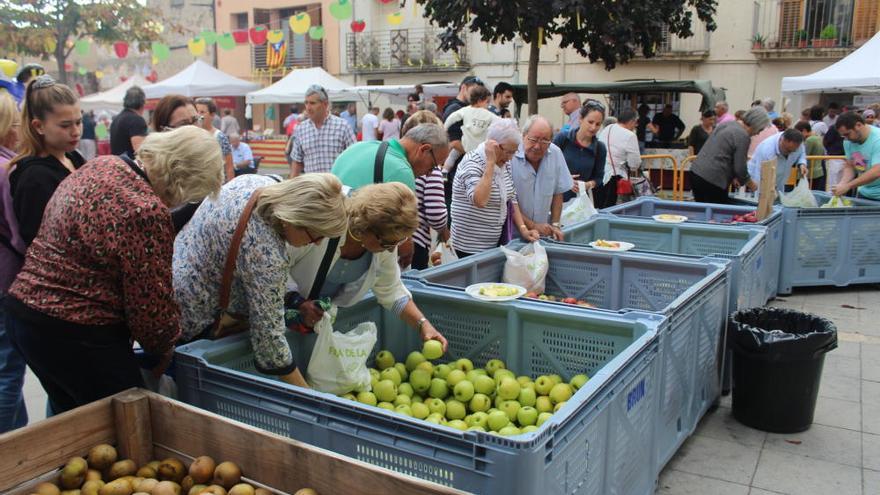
(837, 202)
(800, 196)
(164, 385)
(527, 267)
(447, 254)
(339, 360)
(579, 208)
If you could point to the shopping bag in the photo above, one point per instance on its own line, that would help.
(800, 196)
(641, 185)
(447, 254)
(579, 208)
(339, 360)
(527, 267)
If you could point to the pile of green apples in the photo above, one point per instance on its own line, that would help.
(456, 394)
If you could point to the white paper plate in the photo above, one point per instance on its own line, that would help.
(474, 291)
(624, 246)
(667, 218)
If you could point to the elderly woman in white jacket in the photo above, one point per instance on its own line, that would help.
(381, 217)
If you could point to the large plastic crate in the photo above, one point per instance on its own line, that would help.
(693, 294)
(601, 442)
(743, 246)
(717, 214)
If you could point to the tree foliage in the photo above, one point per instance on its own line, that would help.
(49, 28)
(611, 31)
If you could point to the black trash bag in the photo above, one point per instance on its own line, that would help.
(781, 334)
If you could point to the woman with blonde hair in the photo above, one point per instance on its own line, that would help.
(292, 213)
(381, 218)
(98, 274)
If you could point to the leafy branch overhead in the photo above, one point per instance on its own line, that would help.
(613, 31)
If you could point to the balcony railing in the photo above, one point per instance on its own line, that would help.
(302, 52)
(817, 25)
(402, 50)
(696, 46)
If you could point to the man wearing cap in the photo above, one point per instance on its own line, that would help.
(320, 139)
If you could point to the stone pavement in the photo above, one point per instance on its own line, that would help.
(838, 455)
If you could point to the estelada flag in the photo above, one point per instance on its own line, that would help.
(276, 53)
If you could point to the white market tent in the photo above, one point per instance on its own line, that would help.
(112, 98)
(858, 72)
(398, 93)
(200, 79)
(292, 88)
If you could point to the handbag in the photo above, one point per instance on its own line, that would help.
(624, 185)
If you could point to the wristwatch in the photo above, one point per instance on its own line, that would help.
(421, 322)
(557, 225)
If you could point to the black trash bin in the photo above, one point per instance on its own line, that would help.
(777, 365)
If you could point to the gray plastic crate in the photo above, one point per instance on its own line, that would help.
(743, 246)
(693, 294)
(722, 215)
(601, 442)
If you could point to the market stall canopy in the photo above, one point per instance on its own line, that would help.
(200, 79)
(398, 93)
(112, 98)
(292, 88)
(703, 87)
(858, 72)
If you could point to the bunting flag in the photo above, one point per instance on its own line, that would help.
(275, 54)
(82, 47)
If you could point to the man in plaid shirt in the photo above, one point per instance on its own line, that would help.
(320, 139)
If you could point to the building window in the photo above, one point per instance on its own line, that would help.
(240, 20)
(177, 3)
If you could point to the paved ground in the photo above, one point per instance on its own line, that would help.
(839, 455)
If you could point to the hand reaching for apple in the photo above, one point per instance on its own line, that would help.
(430, 333)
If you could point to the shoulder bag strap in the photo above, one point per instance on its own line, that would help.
(610, 154)
(324, 268)
(379, 164)
(232, 255)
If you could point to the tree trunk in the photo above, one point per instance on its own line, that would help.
(534, 56)
(61, 59)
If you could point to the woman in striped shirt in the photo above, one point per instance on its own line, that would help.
(431, 197)
(483, 193)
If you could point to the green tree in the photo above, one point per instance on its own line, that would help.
(49, 28)
(608, 30)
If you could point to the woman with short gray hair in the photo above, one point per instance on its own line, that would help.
(483, 194)
(724, 158)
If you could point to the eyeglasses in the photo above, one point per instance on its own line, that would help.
(193, 121)
(542, 142)
(434, 158)
(312, 240)
(390, 246)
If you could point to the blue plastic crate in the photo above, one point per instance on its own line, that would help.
(693, 294)
(601, 442)
(743, 246)
(722, 215)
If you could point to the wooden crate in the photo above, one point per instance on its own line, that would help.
(146, 426)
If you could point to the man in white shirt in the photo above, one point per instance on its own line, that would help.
(787, 148)
(369, 124)
(242, 156)
(622, 157)
(833, 112)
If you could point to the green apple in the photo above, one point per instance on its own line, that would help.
(527, 416)
(420, 380)
(426, 366)
(384, 359)
(558, 406)
(523, 380)
(439, 389)
(463, 391)
(544, 416)
(432, 349)
(374, 373)
(502, 374)
(474, 373)
(531, 386)
(491, 410)
(497, 420)
(455, 410)
(560, 392)
(484, 385)
(402, 399)
(349, 396)
(476, 428)
(509, 431)
(511, 407)
(508, 389)
(403, 409)
(544, 404)
(543, 385)
(529, 429)
(386, 390)
(527, 396)
(406, 389)
(442, 371)
(414, 359)
(454, 377)
(374, 382)
(368, 398)
(436, 406)
(494, 365)
(437, 419)
(578, 381)
(457, 424)
(480, 402)
(464, 364)
(386, 405)
(556, 378)
(419, 410)
(401, 369)
(478, 418)
(391, 374)
(415, 399)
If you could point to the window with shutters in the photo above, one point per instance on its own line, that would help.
(789, 22)
(301, 50)
(866, 20)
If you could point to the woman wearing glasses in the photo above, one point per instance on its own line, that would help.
(584, 153)
(174, 111)
(381, 217)
(484, 197)
(292, 213)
